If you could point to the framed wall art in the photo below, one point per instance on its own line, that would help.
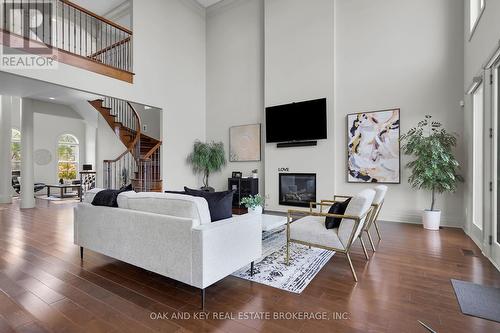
(244, 143)
(373, 149)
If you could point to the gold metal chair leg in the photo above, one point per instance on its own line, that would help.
(364, 247)
(287, 260)
(352, 267)
(378, 231)
(371, 240)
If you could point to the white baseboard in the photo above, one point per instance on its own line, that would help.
(493, 263)
(416, 218)
(481, 245)
(412, 217)
(443, 223)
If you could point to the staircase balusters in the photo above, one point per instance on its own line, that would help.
(73, 29)
(138, 165)
(122, 170)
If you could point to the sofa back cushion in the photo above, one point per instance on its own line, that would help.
(167, 204)
(88, 197)
(109, 198)
(220, 204)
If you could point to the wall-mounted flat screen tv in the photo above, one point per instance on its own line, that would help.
(300, 121)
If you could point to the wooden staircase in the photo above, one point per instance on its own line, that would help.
(139, 164)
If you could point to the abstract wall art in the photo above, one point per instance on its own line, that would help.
(373, 150)
(244, 143)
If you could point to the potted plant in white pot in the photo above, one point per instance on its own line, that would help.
(254, 203)
(435, 166)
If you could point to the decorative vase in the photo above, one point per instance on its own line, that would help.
(431, 219)
(255, 210)
(255, 175)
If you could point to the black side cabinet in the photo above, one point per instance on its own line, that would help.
(243, 187)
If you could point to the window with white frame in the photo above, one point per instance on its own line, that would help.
(68, 152)
(477, 161)
(476, 8)
(15, 149)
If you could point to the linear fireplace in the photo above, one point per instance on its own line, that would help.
(297, 189)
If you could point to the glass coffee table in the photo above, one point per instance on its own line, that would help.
(269, 222)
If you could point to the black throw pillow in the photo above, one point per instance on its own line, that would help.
(337, 208)
(177, 192)
(109, 198)
(127, 188)
(220, 204)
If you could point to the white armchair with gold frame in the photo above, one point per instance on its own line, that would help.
(309, 229)
(378, 201)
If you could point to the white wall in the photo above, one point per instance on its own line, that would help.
(169, 63)
(151, 118)
(51, 121)
(362, 55)
(406, 54)
(108, 146)
(299, 59)
(235, 77)
(478, 50)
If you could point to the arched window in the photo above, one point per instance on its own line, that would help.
(67, 152)
(15, 150)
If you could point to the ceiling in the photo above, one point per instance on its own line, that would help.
(207, 3)
(28, 88)
(100, 7)
(24, 87)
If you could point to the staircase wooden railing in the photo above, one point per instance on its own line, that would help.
(71, 29)
(120, 171)
(149, 166)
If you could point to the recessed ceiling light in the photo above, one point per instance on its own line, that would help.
(51, 98)
(147, 108)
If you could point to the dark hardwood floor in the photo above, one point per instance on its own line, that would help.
(45, 287)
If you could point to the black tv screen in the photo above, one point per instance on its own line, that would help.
(297, 121)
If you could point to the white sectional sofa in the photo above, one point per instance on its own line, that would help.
(169, 234)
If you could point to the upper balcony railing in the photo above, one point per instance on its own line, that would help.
(72, 30)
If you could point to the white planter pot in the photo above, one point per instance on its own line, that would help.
(431, 219)
(255, 210)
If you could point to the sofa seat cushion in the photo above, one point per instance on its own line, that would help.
(311, 229)
(167, 204)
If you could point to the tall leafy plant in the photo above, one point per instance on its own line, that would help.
(207, 158)
(435, 167)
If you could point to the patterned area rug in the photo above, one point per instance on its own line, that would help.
(272, 271)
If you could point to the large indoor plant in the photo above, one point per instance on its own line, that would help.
(207, 158)
(434, 167)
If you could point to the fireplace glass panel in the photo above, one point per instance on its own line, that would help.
(297, 189)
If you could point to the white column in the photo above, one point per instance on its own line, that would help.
(5, 153)
(90, 145)
(27, 164)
